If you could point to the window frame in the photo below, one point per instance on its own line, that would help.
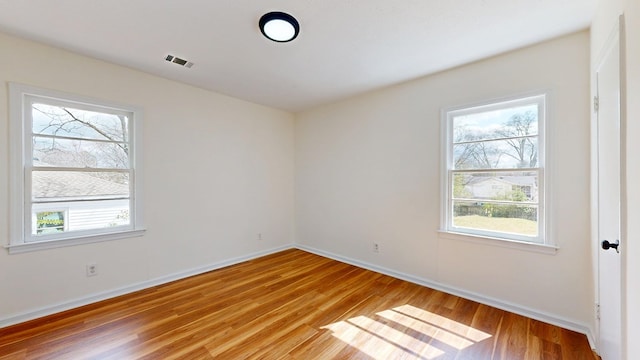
(21, 169)
(542, 242)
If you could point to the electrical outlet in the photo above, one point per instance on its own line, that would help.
(259, 236)
(376, 247)
(92, 269)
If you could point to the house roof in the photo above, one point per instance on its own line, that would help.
(69, 185)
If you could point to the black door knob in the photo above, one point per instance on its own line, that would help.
(607, 245)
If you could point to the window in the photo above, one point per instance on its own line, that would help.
(495, 170)
(75, 170)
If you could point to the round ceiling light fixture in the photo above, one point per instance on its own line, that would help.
(279, 26)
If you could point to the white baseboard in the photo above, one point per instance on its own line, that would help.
(507, 306)
(67, 305)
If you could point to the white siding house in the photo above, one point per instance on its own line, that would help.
(501, 186)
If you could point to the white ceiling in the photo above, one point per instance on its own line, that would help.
(345, 47)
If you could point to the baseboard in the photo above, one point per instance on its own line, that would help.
(507, 306)
(67, 305)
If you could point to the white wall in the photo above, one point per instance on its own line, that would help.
(367, 170)
(217, 171)
(606, 16)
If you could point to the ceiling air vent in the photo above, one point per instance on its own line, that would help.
(179, 61)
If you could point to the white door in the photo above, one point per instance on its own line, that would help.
(608, 105)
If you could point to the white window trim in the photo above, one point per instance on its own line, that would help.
(547, 245)
(19, 206)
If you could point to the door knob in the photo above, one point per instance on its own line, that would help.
(607, 245)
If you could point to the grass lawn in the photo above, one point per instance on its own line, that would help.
(510, 225)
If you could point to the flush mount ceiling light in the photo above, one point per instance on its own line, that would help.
(279, 26)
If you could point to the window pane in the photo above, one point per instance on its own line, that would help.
(79, 153)
(87, 215)
(496, 124)
(503, 218)
(70, 122)
(72, 185)
(498, 186)
(511, 153)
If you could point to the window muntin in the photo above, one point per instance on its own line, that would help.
(495, 173)
(74, 169)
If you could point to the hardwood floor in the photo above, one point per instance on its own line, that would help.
(290, 305)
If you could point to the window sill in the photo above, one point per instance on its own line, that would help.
(505, 243)
(89, 239)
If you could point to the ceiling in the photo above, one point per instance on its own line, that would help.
(345, 47)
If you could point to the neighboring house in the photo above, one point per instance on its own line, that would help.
(501, 186)
(63, 211)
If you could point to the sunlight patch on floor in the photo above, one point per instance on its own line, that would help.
(405, 332)
(443, 323)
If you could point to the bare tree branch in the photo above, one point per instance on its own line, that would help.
(98, 130)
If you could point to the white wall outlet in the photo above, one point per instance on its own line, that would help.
(92, 269)
(259, 236)
(376, 247)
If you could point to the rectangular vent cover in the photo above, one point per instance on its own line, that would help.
(179, 61)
